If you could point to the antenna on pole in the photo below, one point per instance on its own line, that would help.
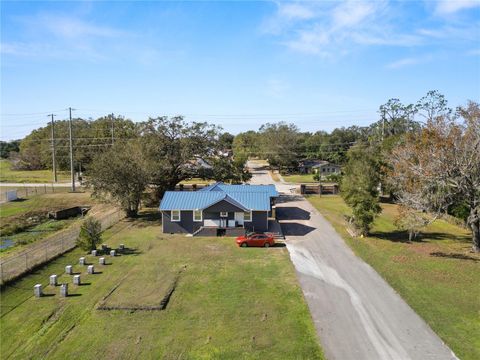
(72, 169)
(54, 163)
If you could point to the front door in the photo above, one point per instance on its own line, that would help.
(239, 218)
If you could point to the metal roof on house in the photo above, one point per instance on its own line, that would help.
(268, 189)
(189, 200)
(256, 199)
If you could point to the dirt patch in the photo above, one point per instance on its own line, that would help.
(402, 259)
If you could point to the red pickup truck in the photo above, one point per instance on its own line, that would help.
(256, 239)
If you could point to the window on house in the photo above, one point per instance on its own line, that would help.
(175, 216)
(197, 215)
(247, 216)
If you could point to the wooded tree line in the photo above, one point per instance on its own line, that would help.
(430, 167)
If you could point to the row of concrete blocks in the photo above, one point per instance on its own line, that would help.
(82, 261)
(38, 290)
(112, 253)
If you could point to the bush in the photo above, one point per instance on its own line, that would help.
(90, 234)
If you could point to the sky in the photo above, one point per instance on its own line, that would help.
(320, 65)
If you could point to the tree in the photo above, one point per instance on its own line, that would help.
(120, 175)
(436, 167)
(280, 144)
(6, 147)
(225, 141)
(360, 186)
(246, 144)
(170, 146)
(227, 170)
(90, 234)
(90, 138)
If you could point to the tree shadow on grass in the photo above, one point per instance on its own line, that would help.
(454, 256)
(130, 251)
(402, 236)
(148, 218)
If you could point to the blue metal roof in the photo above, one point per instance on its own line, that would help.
(250, 197)
(252, 201)
(268, 189)
(190, 200)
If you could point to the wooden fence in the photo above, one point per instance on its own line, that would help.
(320, 189)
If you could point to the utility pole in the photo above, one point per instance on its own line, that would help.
(72, 170)
(383, 124)
(54, 163)
(113, 129)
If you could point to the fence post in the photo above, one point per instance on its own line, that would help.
(45, 188)
(46, 252)
(53, 188)
(26, 261)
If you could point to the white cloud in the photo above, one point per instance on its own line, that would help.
(446, 7)
(295, 11)
(332, 29)
(351, 13)
(54, 35)
(407, 62)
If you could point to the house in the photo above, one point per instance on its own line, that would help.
(218, 210)
(326, 169)
(314, 166)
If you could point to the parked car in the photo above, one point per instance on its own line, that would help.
(256, 239)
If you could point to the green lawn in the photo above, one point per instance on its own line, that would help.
(437, 276)
(44, 203)
(25, 176)
(299, 178)
(229, 303)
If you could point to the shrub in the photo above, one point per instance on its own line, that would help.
(90, 234)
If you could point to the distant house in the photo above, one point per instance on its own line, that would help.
(318, 166)
(218, 210)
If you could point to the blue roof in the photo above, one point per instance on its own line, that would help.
(268, 189)
(248, 197)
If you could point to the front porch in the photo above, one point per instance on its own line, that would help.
(220, 231)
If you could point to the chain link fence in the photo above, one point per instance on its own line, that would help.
(14, 266)
(24, 192)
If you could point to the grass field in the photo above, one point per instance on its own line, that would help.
(24, 176)
(229, 303)
(437, 276)
(44, 203)
(299, 178)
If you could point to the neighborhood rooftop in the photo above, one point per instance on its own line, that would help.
(247, 197)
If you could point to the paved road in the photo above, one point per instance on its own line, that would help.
(357, 315)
